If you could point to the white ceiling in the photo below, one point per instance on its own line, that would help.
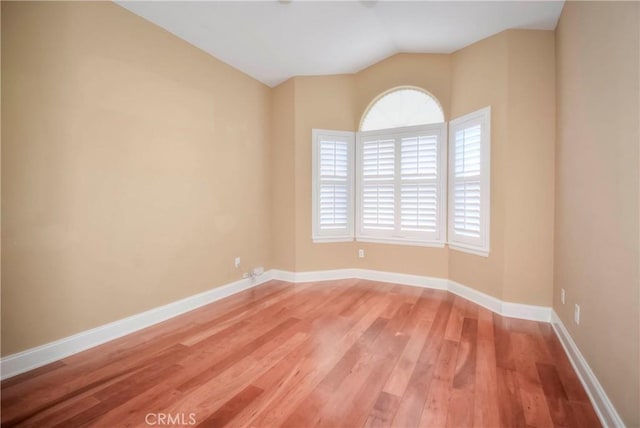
(275, 40)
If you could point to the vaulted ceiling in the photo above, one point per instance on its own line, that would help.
(275, 40)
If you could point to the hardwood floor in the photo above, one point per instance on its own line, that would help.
(348, 353)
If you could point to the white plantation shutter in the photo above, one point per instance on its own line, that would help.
(332, 186)
(401, 185)
(469, 186)
(378, 202)
(378, 192)
(419, 188)
(466, 209)
(334, 204)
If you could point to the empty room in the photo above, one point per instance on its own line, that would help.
(312, 213)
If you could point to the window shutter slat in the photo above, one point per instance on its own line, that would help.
(467, 208)
(333, 159)
(419, 202)
(378, 206)
(419, 157)
(467, 151)
(419, 207)
(334, 194)
(378, 159)
(333, 206)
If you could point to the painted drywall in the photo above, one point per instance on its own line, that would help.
(134, 169)
(283, 248)
(596, 192)
(529, 168)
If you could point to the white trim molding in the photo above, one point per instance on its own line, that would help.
(331, 275)
(30, 359)
(508, 309)
(607, 413)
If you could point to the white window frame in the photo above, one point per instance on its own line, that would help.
(338, 235)
(397, 236)
(478, 246)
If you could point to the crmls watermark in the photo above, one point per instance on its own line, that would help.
(170, 419)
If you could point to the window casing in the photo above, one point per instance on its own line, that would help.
(401, 194)
(333, 185)
(469, 182)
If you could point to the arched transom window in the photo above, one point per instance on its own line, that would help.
(406, 106)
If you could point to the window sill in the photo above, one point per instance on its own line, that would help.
(323, 240)
(392, 241)
(471, 250)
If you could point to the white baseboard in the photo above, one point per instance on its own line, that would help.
(607, 413)
(30, 359)
(373, 275)
(514, 310)
(482, 299)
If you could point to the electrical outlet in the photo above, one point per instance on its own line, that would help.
(562, 295)
(576, 314)
(361, 253)
(237, 262)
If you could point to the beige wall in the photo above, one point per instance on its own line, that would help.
(283, 248)
(596, 215)
(134, 169)
(529, 168)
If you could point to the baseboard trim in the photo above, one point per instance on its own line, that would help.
(508, 309)
(30, 359)
(372, 275)
(607, 413)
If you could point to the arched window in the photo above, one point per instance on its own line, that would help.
(400, 107)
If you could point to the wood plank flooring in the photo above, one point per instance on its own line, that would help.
(348, 353)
